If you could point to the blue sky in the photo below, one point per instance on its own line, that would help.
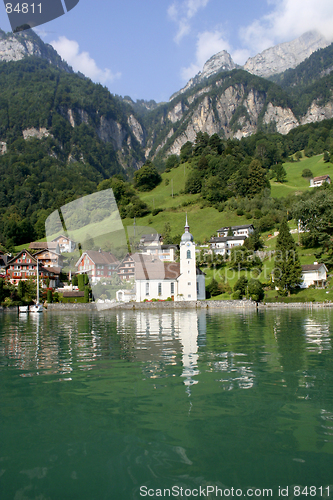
(148, 49)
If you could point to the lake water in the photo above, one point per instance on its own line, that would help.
(128, 405)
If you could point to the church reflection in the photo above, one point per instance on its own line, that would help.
(163, 337)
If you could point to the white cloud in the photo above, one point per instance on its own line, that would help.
(208, 44)
(289, 19)
(81, 61)
(181, 14)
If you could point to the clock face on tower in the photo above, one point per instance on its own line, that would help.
(188, 244)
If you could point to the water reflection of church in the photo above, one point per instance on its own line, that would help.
(162, 337)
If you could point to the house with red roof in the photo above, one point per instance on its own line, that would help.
(97, 264)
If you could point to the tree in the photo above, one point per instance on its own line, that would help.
(287, 267)
(326, 156)
(80, 279)
(307, 174)
(147, 177)
(257, 180)
(256, 290)
(241, 285)
(86, 295)
(279, 172)
(213, 288)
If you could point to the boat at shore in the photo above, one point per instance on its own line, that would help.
(37, 308)
(23, 309)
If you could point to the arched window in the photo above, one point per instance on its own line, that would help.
(188, 254)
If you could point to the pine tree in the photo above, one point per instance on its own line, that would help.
(287, 267)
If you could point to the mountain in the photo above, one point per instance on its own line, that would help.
(16, 46)
(269, 62)
(285, 55)
(217, 63)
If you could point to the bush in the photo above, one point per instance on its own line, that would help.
(307, 174)
(236, 295)
(49, 297)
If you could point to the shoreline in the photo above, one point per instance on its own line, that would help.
(202, 304)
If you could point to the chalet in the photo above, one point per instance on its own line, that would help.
(97, 265)
(314, 274)
(319, 181)
(23, 267)
(244, 230)
(48, 258)
(222, 245)
(65, 243)
(148, 240)
(126, 268)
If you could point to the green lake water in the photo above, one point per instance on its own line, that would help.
(128, 405)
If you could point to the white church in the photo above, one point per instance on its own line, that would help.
(181, 281)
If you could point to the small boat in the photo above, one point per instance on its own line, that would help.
(37, 308)
(23, 309)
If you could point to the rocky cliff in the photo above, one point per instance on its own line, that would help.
(217, 63)
(285, 55)
(16, 46)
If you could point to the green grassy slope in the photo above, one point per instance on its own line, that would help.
(294, 181)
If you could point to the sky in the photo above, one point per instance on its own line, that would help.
(148, 49)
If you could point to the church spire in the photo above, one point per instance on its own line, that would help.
(187, 227)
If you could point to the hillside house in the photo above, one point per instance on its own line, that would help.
(65, 244)
(244, 230)
(314, 274)
(165, 253)
(148, 240)
(97, 265)
(223, 245)
(319, 181)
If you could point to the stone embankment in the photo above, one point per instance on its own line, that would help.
(200, 304)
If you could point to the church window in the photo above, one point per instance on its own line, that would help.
(147, 288)
(189, 283)
(172, 288)
(160, 289)
(197, 287)
(188, 254)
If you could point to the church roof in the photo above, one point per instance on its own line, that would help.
(148, 268)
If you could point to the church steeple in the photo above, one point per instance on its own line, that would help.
(187, 227)
(187, 236)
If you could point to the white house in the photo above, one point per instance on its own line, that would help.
(155, 279)
(167, 253)
(314, 274)
(65, 243)
(222, 245)
(319, 181)
(244, 230)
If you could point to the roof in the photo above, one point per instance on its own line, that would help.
(73, 294)
(313, 267)
(49, 250)
(99, 257)
(224, 239)
(148, 268)
(63, 236)
(9, 261)
(321, 178)
(235, 228)
(54, 270)
(43, 245)
(150, 237)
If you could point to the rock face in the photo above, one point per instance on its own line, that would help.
(34, 132)
(283, 118)
(16, 46)
(318, 113)
(285, 55)
(221, 61)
